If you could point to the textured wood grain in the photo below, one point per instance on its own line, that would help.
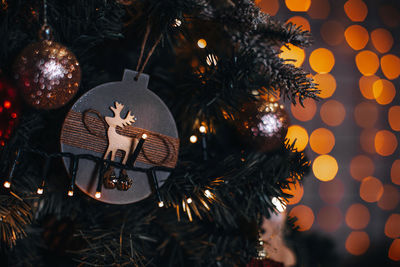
(158, 149)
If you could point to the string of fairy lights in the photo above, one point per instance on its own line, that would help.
(205, 196)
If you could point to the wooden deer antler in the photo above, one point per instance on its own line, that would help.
(129, 118)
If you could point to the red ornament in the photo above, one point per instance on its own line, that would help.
(264, 263)
(9, 109)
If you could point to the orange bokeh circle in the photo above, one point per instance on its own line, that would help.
(382, 40)
(385, 143)
(357, 243)
(371, 189)
(394, 250)
(332, 32)
(365, 83)
(394, 118)
(361, 166)
(392, 226)
(326, 84)
(390, 65)
(322, 60)
(367, 62)
(322, 141)
(356, 10)
(357, 216)
(305, 217)
(296, 190)
(390, 198)
(356, 37)
(305, 112)
(325, 168)
(366, 114)
(332, 113)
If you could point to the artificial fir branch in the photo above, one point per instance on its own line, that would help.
(15, 215)
(240, 185)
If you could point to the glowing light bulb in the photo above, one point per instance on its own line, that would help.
(144, 136)
(202, 129)
(70, 193)
(177, 23)
(7, 184)
(278, 204)
(189, 200)
(97, 195)
(212, 59)
(193, 139)
(7, 104)
(39, 191)
(161, 204)
(207, 193)
(201, 43)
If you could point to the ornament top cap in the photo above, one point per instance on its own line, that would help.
(130, 77)
(45, 33)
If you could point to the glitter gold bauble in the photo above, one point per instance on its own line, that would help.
(47, 74)
(263, 125)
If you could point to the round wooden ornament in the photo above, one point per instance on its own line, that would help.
(111, 121)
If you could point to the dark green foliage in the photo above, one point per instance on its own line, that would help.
(106, 37)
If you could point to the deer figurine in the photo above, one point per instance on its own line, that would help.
(118, 142)
(115, 140)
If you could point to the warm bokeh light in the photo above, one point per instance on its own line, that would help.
(384, 91)
(367, 62)
(326, 84)
(329, 218)
(390, 65)
(305, 113)
(322, 141)
(394, 118)
(7, 104)
(201, 43)
(366, 83)
(325, 168)
(332, 32)
(367, 138)
(299, 135)
(293, 54)
(366, 114)
(356, 10)
(357, 243)
(356, 37)
(319, 9)
(331, 192)
(332, 113)
(385, 143)
(304, 215)
(268, 6)
(390, 198)
(382, 40)
(298, 6)
(394, 250)
(300, 21)
(357, 216)
(296, 190)
(193, 139)
(371, 189)
(322, 60)
(395, 172)
(361, 166)
(392, 226)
